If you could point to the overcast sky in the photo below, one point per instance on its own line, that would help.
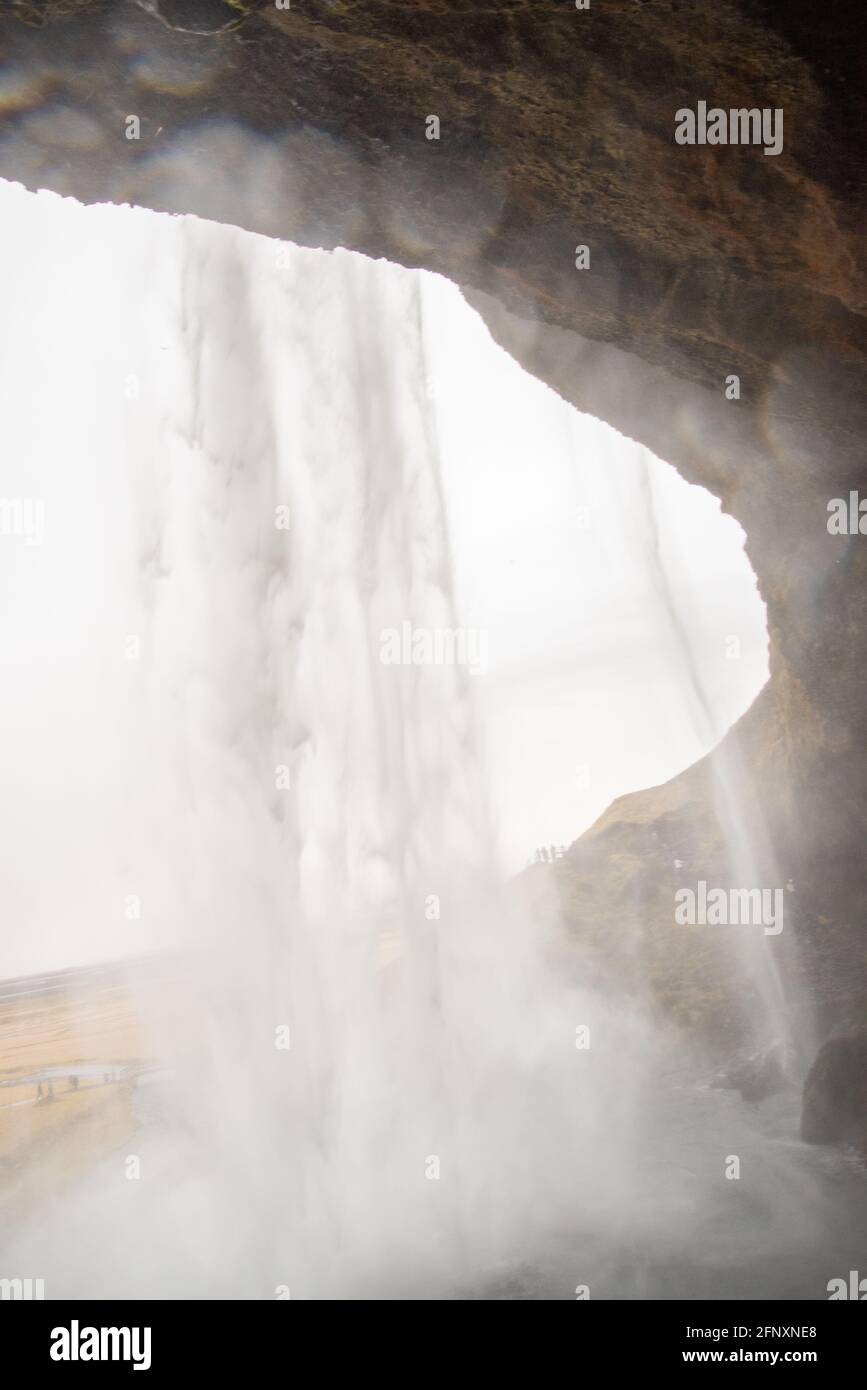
(610, 586)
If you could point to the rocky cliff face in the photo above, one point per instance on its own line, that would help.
(556, 129)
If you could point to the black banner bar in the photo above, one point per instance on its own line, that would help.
(225, 1339)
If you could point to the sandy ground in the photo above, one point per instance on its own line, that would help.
(70, 1048)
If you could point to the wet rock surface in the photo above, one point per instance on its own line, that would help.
(835, 1093)
(756, 1076)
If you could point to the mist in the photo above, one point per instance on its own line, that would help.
(368, 1073)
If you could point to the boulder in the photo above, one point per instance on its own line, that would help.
(834, 1107)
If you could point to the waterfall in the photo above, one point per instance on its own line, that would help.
(263, 699)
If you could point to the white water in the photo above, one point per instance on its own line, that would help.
(166, 384)
(220, 383)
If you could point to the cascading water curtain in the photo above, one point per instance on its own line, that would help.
(375, 1078)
